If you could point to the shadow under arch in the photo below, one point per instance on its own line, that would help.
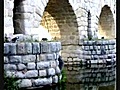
(60, 20)
(106, 25)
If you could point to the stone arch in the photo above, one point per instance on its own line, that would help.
(60, 20)
(106, 25)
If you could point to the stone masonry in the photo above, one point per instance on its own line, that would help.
(32, 63)
(66, 21)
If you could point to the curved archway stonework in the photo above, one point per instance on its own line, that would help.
(60, 20)
(106, 26)
(67, 19)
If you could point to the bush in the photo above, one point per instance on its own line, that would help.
(10, 83)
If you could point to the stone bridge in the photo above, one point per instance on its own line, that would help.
(67, 21)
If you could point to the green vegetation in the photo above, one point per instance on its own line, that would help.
(10, 83)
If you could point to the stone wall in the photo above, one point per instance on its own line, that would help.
(70, 24)
(95, 51)
(33, 63)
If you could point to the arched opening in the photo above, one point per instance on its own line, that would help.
(106, 26)
(60, 20)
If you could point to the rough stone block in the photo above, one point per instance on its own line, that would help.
(42, 73)
(24, 83)
(36, 47)
(19, 75)
(42, 57)
(20, 48)
(91, 47)
(6, 60)
(98, 52)
(51, 71)
(86, 48)
(12, 48)
(53, 46)
(49, 56)
(53, 64)
(55, 79)
(43, 81)
(28, 48)
(31, 65)
(28, 58)
(21, 66)
(15, 59)
(44, 47)
(43, 65)
(6, 48)
(10, 67)
(31, 74)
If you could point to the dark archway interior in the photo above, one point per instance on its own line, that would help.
(106, 23)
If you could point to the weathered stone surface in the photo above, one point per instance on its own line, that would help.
(53, 64)
(49, 57)
(10, 67)
(43, 81)
(21, 66)
(12, 48)
(31, 74)
(43, 65)
(55, 79)
(31, 65)
(42, 73)
(6, 48)
(42, 57)
(25, 83)
(28, 48)
(51, 71)
(21, 48)
(53, 46)
(19, 75)
(36, 47)
(28, 58)
(44, 47)
(15, 59)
